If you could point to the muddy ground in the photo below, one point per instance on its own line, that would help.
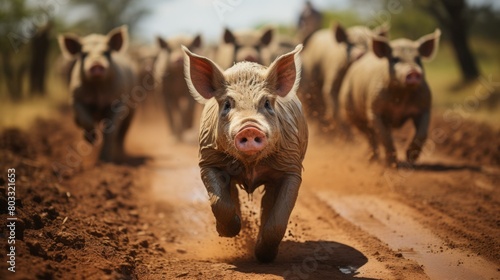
(150, 218)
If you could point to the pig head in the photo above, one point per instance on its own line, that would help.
(245, 45)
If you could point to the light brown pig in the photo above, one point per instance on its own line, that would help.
(386, 88)
(169, 69)
(101, 83)
(244, 45)
(252, 133)
(326, 58)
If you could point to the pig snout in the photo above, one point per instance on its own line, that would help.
(413, 78)
(251, 58)
(97, 71)
(250, 140)
(179, 62)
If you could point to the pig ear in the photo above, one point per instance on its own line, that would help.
(429, 44)
(283, 75)
(381, 47)
(267, 37)
(203, 77)
(162, 43)
(340, 33)
(229, 37)
(70, 45)
(382, 30)
(118, 39)
(196, 43)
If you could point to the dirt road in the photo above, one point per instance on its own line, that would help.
(151, 219)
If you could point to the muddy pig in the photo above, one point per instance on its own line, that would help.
(169, 69)
(386, 88)
(101, 83)
(326, 58)
(244, 45)
(252, 133)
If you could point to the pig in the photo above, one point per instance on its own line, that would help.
(169, 71)
(244, 45)
(145, 58)
(386, 88)
(310, 21)
(326, 58)
(101, 81)
(252, 133)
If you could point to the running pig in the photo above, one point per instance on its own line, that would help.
(386, 88)
(101, 83)
(252, 133)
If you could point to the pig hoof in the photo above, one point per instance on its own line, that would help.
(266, 253)
(412, 156)
(231, 229)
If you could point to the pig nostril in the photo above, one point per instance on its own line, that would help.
(258, 140)
(244, 140)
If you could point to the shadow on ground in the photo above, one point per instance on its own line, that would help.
(309, 260)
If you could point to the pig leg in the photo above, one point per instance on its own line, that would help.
(112, 125)
(328, 98)
(421, 126)
(83, 118)
(222, 201)
(275, 216)
(171, 107)
(122, 132)
(188, 117)
(384, 133)
(372, 140)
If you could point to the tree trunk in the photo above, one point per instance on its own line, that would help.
(38, 64)
(457, 26)
(13, 77)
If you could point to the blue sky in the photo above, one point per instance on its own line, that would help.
(173, 17)
(192, 16)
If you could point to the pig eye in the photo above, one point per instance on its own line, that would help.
(107, 54)
(84, 55)
(418, 61)
(268, 106)
(226, 108)
(395, 60)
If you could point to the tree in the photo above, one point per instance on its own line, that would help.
(38, 65)
(12, 40)
(107, 15)
(452, 16)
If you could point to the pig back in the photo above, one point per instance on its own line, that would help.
(364, 82)
(290, 149)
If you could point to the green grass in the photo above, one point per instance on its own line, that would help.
(22, 114)
(450, 92)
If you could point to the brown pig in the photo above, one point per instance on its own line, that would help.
(244, 45)
(169, 71)
(326, 58)
(101, 83)
(252, 133)
(386, 88)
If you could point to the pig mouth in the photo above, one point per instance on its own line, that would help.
(250, 140)
(97, 71)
